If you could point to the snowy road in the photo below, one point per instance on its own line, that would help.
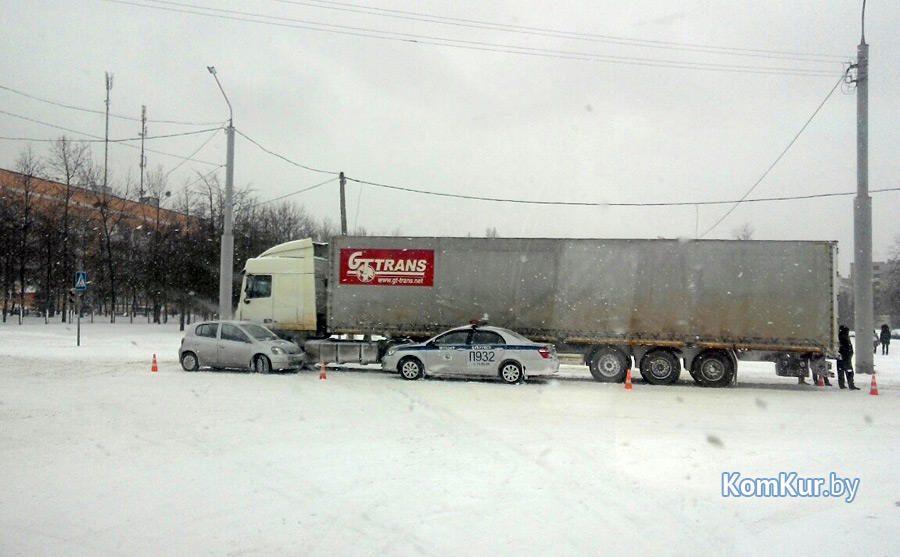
(102, 457)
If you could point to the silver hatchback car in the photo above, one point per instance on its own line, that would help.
(474, 350)
(237, 345)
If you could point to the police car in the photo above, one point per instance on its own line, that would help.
(474, 350)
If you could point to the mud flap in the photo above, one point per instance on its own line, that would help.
(791, 365)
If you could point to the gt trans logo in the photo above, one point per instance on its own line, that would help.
(385, 267)
(788, 484)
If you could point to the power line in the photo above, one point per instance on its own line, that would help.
(100, 139)
(541, 31)
(101, 112)
(191, 156)
(298, 192)
(611, 203)
(285, 159)
(250, 17)
(777, 159)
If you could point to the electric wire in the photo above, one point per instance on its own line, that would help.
(298, 192)
(777, 159)
(191, 156)
(235, 15)
(285, 159)
(539, 31)
(101, 112)
(100, 139)
(608, 203)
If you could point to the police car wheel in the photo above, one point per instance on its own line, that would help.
(511, 372)
(410, 368)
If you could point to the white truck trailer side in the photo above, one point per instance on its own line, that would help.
(657, 304)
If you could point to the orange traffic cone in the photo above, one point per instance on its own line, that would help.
(874, 389)
(628, 380)
(821, 381)
(154, 369)
(322, 373)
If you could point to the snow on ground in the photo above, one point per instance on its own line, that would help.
(100, 456)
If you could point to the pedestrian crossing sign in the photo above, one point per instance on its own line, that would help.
(80, 280)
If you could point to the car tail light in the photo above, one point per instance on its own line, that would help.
(544, 351)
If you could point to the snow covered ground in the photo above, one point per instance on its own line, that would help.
(100, 456)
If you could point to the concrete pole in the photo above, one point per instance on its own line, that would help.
(226, 255)
(862, 223)
(343, 206)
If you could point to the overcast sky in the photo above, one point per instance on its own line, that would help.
(583, 102)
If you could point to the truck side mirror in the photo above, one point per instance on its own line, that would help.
(246, 300)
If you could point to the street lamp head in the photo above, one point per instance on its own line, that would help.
(212, 69)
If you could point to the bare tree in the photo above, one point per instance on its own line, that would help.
(66, 165)
(108, 215)
(29, 167)
(743, 232)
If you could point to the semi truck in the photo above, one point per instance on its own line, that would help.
(658, 305)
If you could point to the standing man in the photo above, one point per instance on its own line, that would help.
(845, 358)
(885, 338)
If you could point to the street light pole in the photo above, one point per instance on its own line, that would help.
(862, 223)
(226, 255)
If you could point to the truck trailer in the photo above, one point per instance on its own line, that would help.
(660, 305)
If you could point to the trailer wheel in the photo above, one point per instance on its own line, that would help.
(660, 367)
(411, 368)
(511, 372)
(713, 368)
(609, 365)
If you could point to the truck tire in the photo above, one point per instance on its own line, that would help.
(609, 364)
(660, 367)
(511, 372)
(713, 368)
(410, 368)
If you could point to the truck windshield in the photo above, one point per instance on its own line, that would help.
(259, 286)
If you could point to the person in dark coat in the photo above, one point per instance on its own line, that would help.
(845, 358)
(885, 339)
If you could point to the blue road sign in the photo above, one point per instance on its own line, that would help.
(80, 280)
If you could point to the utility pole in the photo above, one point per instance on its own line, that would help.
(343, 206)
(109, 84)
(862, 222)
(143, 158)
(226, 255)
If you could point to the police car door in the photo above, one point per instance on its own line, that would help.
(448, 352)
(485, 353)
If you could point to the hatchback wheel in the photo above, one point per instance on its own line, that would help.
(189, 361)
(261, 364)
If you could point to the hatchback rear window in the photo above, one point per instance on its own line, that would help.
(207, 330)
